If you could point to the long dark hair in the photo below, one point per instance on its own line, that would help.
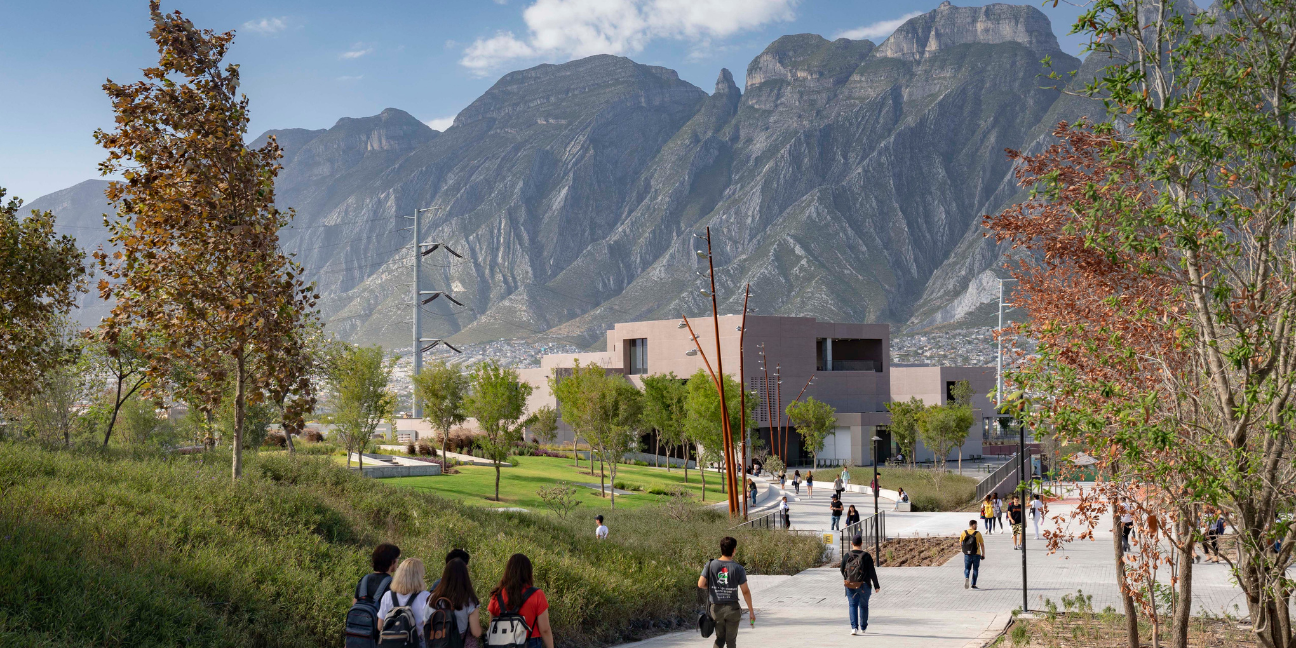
(455, 585)
(517, 577)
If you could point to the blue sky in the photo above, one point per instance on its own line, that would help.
(307, 63)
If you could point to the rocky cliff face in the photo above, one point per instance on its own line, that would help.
(846, 181)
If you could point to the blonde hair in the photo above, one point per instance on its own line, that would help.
(409, 577)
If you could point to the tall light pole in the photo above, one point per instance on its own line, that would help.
(877, 542)
(1021, 467)
(742, 399)
(418, 348)
(999, 361)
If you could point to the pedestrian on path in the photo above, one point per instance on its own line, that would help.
(782, 479)
(810, 484)
(723, 578)
(845, 476)
(751, 488)
(987, 514)
(796, 482)
(998, 511)
(406, 601)
(838, 487)
(836, 509)
(852, 516)
(973, 546)
(787, 513)
(1017, 520)
(454, 593)
(1037, 514)
(601, 530)
(1127, 526)
(860, 579)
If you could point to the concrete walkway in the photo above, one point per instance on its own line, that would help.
(927, 607)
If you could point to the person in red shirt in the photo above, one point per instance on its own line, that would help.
(514, 586)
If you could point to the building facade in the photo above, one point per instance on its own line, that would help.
(850, 365)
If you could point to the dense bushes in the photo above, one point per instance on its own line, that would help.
(153, 550)
(956, 491)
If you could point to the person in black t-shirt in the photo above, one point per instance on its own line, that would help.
(724, 579)
(1016, 519)
(383, 559)
(836, 509)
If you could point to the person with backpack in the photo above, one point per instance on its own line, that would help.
(519, 610)
(454, 554)
(987, 514)
(860, 578)
(723, 578)
(453, 618)
(796, 482)
(1017, 521)
(973, 545)
(810, 484)
(998, 510)
(838, 487)
(362, 626)
(404, 609)
(836, 510)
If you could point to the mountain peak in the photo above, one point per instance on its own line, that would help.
(725, 83)
(801, 57)
(948, 26)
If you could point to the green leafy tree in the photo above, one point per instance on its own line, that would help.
(53, 410)
(125, 362)
(544, 425)
(616, 421)
(361, 401)
(663, 410)
(195, 259)
(814, 420)
(943, 428)
(442, 388)
(904, 424)
(43, 274)
(702, 421)
(574, 404)
(497, 400)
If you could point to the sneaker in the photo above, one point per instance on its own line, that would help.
(854, 632)
(975, 587)
(965, 582)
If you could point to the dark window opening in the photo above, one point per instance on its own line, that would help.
(848, 354)
(949, 390)
(637, 356)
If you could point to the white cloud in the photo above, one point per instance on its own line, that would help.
(440, 123)
(879, 29)
(576, 28)
(355, 52)
(267, 25)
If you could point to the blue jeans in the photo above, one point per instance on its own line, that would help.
(533, 642)
(835, 519)
(972, 565)
(858, 600)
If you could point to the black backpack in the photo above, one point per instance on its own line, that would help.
(362, 619)
(400, 626)
(442, 627)
(969, 542)
(855, 576)
(509, 628)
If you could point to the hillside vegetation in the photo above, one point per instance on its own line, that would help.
(153, 550)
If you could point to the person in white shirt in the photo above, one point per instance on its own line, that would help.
(408, 589)
(602, 530)
(1037, 514)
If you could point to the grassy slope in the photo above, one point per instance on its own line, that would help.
(109, 550)
(518, 485)
(956, 491)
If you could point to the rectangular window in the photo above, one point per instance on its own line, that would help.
(949, 390)
(849, 354)
(637, 356)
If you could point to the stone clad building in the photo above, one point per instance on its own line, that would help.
(850, 363)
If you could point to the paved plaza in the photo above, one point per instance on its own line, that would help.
(927, 607)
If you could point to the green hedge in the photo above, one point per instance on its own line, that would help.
(955, 494)
(117, 550)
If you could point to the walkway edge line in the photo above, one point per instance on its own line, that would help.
(997, 628)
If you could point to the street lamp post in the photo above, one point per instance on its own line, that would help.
(877, 540)
(1021, 472)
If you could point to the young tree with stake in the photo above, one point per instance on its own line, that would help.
(814, 420)
(442, 388)
(497, 400)
(358, 379)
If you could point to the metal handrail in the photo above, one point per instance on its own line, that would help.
(871, 528)
(770, 520)
(1001, 475)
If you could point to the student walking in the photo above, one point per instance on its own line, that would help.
(1016, 519)
(796, 482)
(601, 530)
(852, 516)
(1037, 514)
(782, 479)
(404, 609)
(454, 554)
(838, 487)
(835, 508)
(723, 578)
(751, 489)
(516, 597)
(454, 597)
(810, 484)
(998, 511)
(987, 514)
(973, 546)
(845, 477)
(860, 579)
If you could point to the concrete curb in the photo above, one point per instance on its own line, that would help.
(997, 627)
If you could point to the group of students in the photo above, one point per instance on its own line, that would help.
(992, 510)
(399, 610)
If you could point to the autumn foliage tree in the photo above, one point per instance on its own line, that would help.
(43, 272)
(196, 261)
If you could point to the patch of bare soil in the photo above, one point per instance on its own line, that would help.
(918, 552)
(1107, 629)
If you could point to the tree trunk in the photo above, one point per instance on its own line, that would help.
(1183, 610)
(445, 447)
(497, 479)
(1131, 613)
(614, 485)
(112, 421)
(701, 471)
(657, 452)
(602, 475)
(240, 407)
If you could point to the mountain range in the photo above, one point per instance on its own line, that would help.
(846, 181)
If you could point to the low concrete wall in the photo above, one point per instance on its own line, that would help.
(653, 459)
(386, 471)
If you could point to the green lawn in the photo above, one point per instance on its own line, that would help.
(518, 485)
(955, 493)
